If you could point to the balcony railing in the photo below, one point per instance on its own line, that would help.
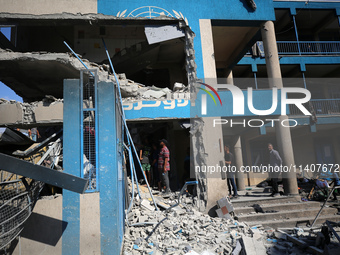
(320, 106)
(308, 47)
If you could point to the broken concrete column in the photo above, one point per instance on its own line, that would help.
(211, 137)
(208, 55)
(283, 135)
(213, 144)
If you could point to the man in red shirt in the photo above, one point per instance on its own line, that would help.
(164, 164)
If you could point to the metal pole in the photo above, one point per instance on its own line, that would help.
(75, 54)
(255, 80)
(124, 120)
(296, 35)
(132, 181)
(317, 216)
(304, 80)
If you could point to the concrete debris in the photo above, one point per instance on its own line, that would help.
(188, 231)
(253, 246)
(225, 208)
(147, 205)
(185, 230)
(154, 93)
(49, 110)
(179, 86)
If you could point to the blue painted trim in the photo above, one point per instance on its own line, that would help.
(108, 174)
(254, 68)
(302, 5)
(81, 117)
(303, 67)
(293, 60)
(312, 128)
(161, 111)
(263, 130)
(96, 120)
(303, 121)
(71, 147)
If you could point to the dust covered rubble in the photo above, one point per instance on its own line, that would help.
(134, 90)
(183, 231)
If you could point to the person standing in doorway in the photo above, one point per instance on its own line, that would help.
(229, 160)
(164, 164)
(275, 161)
(144, 155)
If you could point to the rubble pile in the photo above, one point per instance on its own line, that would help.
(184, 230)
(179, 232)
(134, 90)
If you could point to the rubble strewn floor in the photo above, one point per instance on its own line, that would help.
(185, 230)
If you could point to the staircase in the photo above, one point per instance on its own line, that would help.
(281, 212)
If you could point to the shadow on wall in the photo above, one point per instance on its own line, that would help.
(42, 229)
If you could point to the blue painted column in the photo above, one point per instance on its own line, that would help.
(110, 196)
(72, 153)
(195, 27)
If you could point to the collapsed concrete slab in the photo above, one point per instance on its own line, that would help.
(18, 114)
(50, 109)
(34, 75)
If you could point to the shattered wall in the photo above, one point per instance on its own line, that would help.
(18, 114)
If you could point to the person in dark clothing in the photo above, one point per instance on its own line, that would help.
(164, 164)
(229, 160)
(274, 161)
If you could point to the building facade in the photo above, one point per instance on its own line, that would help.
(263, 45)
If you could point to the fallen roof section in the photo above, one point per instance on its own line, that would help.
(34, 75)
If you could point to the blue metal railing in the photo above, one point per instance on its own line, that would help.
(320, 106)
(308, 47)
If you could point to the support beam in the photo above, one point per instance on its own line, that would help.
(208, 54)
(43, 174)
(283, 135)
(210, 137)
(239, 163)
(237, 150)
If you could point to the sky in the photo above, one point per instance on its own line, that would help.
(6, 92)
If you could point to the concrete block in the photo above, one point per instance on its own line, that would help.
(52, 113)
(153, 94)
(11, 114)
(225, 202)
(146, 205)
(223, 213)
(253, 247)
